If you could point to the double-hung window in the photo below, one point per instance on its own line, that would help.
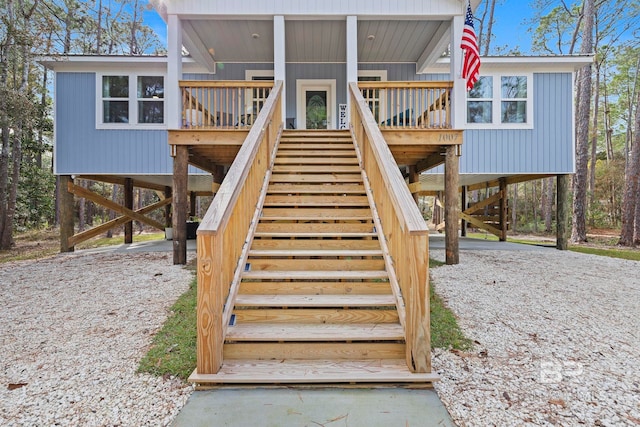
(501, 101)
(129, 101)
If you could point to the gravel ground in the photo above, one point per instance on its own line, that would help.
(557, 339)
(72, 331)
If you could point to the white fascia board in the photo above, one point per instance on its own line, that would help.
(406, 8)
(90, 63)
(547, 64)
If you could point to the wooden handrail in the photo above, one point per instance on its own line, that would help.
(222, 234)
(404, 230)
(409, 104)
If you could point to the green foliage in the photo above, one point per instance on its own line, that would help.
(633, 255)
(445, 332)
(35, 207)
(173, 351)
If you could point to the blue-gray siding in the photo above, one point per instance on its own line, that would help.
(547, 148)
(81, 148)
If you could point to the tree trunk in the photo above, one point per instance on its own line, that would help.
(594, 141)
(632, 186)
(548, 215)
(580, 179)
(492, 7)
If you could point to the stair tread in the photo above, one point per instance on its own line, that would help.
(315, 332)
(326, 152)
(325, 371)
(317, 200)
(316, 252)
(314, 274)
(351, 160)
(316, 188)
(312, 234)
(343, 300)
(316, 213)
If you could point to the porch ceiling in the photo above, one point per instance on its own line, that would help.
(239, 40)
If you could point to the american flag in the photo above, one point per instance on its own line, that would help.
(471, 65)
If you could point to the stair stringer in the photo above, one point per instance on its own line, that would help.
(393, 279)
(237, 275)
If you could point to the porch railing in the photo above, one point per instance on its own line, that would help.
(405, 231)
(222, 235)
(228, 104)
(409, 105)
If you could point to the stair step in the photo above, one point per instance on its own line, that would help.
(316, 177)
(315, 288)
(314, 275)
(316, 189)
(316, 160)
(339, 144)
(319, 200)
(326, 152)
(259, 332)
(316, 235)
(311, 169)
(316, 214)
(305, 264)
(314, 300)
(323, 371)
(314, 242)
(314, 227)
(314, 253)
(314, 351)
(316, 315)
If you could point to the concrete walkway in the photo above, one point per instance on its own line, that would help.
(280, 407)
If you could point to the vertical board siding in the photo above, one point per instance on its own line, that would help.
(81, 148)
(547, 148)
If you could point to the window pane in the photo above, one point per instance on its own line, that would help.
(150, 112)
(115, 111)
(514, 87)
(483, 88)
(115, 86)
(479, 112)
(151, 87)
(514, 111)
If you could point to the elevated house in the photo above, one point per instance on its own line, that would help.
(315, 123)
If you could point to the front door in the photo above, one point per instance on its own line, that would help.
(316, 105)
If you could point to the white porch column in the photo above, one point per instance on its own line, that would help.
(173, 98)
(352, 57)
(459, 94)
(279, 60)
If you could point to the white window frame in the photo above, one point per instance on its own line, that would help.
(133, 102)
(248, 76)
(382, 112)
(496, 103)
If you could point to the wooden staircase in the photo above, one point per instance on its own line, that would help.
(315, 305)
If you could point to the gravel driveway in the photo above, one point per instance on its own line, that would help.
(557, 339)
(72, 330)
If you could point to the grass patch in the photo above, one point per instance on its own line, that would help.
(445, 332)
(173, 351)
(630, 254)
(119, 240)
